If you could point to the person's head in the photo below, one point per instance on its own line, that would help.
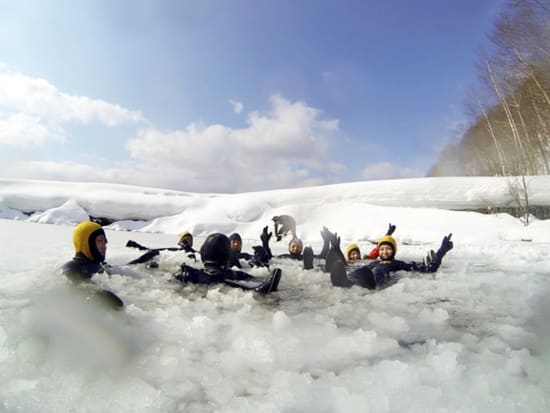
(387, 248)
(90, 240)
(235, 242)
(353, 253)
(295, 246)
(185, 239)
(215, 251)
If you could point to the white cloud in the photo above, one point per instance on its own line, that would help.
(99, 171)
(37, 97)
(386, 170)
(153, 175)
(24, 130)
(237, 106)
(286, 146)
(62, 171)
(35, 111)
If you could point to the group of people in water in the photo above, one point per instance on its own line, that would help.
(223, 259)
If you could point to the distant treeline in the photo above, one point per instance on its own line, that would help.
(510, 131)
(540, 212)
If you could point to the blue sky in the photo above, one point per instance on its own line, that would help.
(231, 96)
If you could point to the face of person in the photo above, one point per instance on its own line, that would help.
(294, 248)
(385, 251)
(101, 244)
(354, 255)
(236, 245)
(188, 239)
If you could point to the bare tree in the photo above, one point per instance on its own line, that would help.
(518, 189)
(510, 134)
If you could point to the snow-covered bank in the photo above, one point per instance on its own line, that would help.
(358, 211)
(444, 193)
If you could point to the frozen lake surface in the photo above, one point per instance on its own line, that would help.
(474, 337)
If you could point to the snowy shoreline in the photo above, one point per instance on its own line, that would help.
(132, 208)
(453, 193)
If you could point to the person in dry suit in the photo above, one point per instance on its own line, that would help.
(90, 245)
(258, 259)
(215, 255)
(353, 253)
(236, 245)
(284, 224)
(380, 273)
(296, 250)
(185, 242)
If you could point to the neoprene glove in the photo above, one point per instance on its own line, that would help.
(325, 234)
(335, 240)
(446, 245)
(260, 258)
(391, 229)
(429, 257)
(265, 236)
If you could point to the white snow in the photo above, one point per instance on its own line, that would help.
(472, 337)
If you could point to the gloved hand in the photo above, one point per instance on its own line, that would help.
(265, 236)
(335, 240)
(152, 265)
(391, 229)
(182, 274)
(326, 234)
(260, 257)
(429, 257)
(446, 245)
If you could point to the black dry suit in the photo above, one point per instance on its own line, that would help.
(378, 274)
(258, 259)
(284, 224)
(215, 254)
(87, 260)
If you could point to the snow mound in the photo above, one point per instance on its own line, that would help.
(68, 213)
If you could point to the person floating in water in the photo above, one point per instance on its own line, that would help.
(215, 255)
(296, 250)
(185, 242)
(380, 273)
(260, 257)
(353, 253)
(90, 245)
